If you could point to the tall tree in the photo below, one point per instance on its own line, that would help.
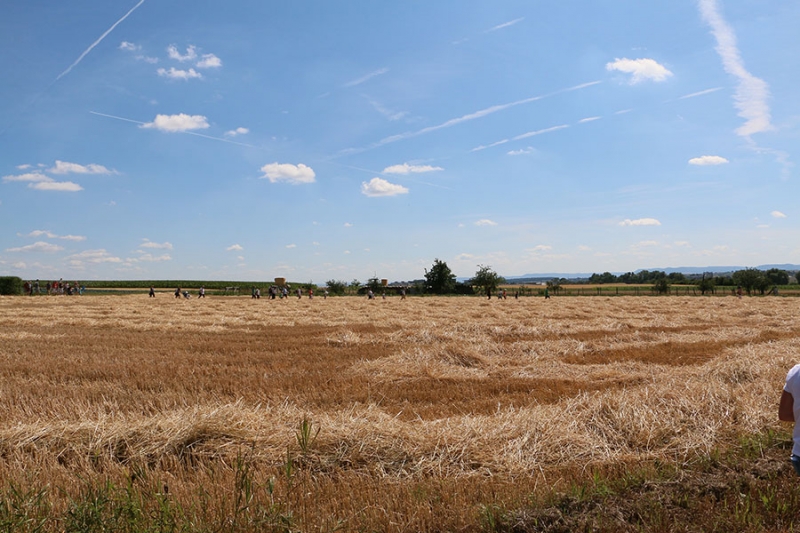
(440, 279)
(486, 279)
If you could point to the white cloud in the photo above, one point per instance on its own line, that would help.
(149, 258)
(234, 248)
(540, 248)
(29, 176)
(294, 174)
(751, 93)
(147, 59)
(362, 79)
(641, 69)
(588, 119)
(209, 61)
(778, 214)
(180, 122)
(348, 225)
(485, 222)
(161, 246)
(62, 167)
(645, 244)
(95, 256)
(191, 53)
(522, 151)
(381, 187)
(706, 160)
(63, 186)
(178, 74)
(24, 167)
(291, 246)
(405, 168)
(51, 235)
(39, 246)
(237, 131)
(125, 45)
(640, 222)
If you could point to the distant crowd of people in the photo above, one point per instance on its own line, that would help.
(53, 288)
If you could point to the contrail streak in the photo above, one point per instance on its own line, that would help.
(109, 30)
(36, 97)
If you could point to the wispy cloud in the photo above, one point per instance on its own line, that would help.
(640, 222)
(234, 248)
(40, 246)
(504, 25)
(588, 119)
(381, 187)
(752, 93)
(405, 168)
(777, 214)
(485, 222)
(640, 69)
(61, 186)
(522, 151)
(63, 167)
(28, 176)
(178, 74)
(369, 76)
(109, 30)
(51, 235)
(700, 93)
(147, 243)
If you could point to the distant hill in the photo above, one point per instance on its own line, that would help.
(539, 277)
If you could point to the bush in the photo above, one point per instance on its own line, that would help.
(10, 285)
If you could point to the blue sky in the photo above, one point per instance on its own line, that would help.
(338, 140)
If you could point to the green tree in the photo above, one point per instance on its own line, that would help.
(661, 285)
(337, 287)
(750, 279)
(777, 276)
(10, 285)
(706, 284)
(554, 285)
(486, 279)
(440, 279)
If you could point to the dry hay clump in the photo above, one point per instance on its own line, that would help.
(446, 387)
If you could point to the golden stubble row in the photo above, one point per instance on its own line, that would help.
(397, 388)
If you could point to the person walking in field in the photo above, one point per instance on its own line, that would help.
(789, 411)
(547, 293)
(202, 293)
(152, 292)
(178, 292)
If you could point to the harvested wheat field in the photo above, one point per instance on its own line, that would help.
(428, 414)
